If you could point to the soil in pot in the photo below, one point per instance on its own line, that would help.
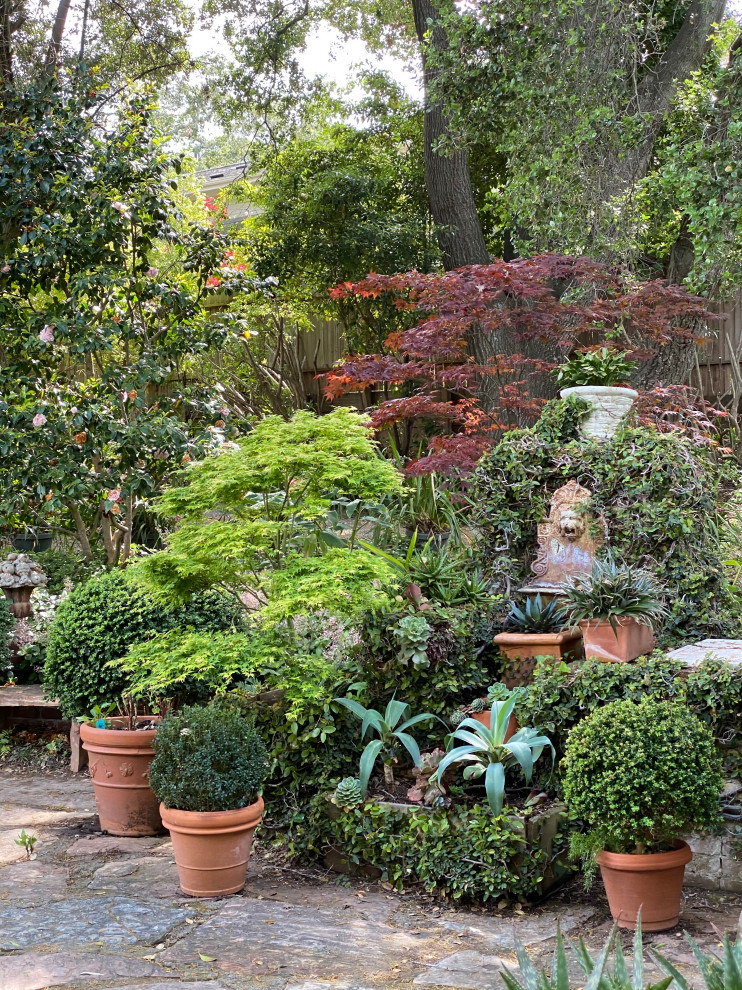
(212, 848)
(629, 640)
(651, 883)
(119, 767)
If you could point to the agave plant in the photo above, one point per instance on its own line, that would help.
(535, 616)
(598, 974)
(612, 592)
(487, 754)
(392, 735)
(718, 974)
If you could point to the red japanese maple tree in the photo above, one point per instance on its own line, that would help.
(525, 313)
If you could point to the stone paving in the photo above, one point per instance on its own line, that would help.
(95, 911)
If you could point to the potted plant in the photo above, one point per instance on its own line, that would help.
(616, 609)
(535, 630)
(593, 376)
(31, 541)
(480, 709)
(208, 773)
(120, 753)
(639, 775)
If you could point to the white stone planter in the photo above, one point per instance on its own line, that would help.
(608, 406)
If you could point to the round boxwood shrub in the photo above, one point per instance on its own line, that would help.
(99, 621)
(208, 759)
(641, 774)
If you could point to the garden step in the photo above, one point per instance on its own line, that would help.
(691, 655)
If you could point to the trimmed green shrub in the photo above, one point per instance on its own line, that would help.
(7, 622)
(640, 774)
(98, 623)
(207, 759)
(561, 695)
(658, 493)
(464, 853)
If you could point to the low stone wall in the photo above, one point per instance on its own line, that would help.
(717, 860)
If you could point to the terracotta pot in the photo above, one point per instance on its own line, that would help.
(212, 848)
(651, 883)
(630, 640)
(119, 768)
(608, 406)
(521, 649)
(484, 718)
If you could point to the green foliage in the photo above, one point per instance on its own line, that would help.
(606, 366)
(500, 692)
(64, 566)
(640, 774)
(255, 518)
(717, 974)
(412, 633)
(486, 753)
(99, 622)
(348, 793)
(465, 854)
(92, 323)
(391, 735)
(207, 759)
(613, 592)
(535, 616)
(561, 695)
(597, 974)
(659, 496)
(7, 622)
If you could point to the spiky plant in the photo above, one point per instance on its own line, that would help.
(535, 616)
(348, 793)
(612, 592)
(478, 705)
(598, 974)
(718, 974)
(457, 717)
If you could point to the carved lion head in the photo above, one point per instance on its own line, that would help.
(571, 524)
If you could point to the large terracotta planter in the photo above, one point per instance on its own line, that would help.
(609, 404)
(631, 639)
(119, 767)
(650, 883)
(212, 848)
(521, 649)
(484, 718)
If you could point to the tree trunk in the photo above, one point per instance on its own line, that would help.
(55, 42)
(447, 176)
(6, 44)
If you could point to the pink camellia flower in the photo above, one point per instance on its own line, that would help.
(153, 272)
(121, 207)
(39, 419)
(47, 334)
(114, 495)
(224, 411)
(124, 396)
(73, 410)
(212, 281)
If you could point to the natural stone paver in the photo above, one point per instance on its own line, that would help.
(33, 882)
(100, 845)
(722, 649)
(250, 936)
(149, 877)
(499, 934)
(199, 985)
(87, 921)
(37, 972)
(48, 793)
(467, 969)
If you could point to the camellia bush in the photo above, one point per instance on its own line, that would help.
(102, 282)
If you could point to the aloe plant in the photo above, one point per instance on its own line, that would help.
(613, 592)
(598, 974)
(718, 974)
(487, 754)
(391, 736)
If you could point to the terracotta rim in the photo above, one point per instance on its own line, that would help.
(198, 822)
(112, 740)
(647, 862)
(548, 639)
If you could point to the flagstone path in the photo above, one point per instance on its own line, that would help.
(95, 911)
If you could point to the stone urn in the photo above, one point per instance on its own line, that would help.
(609, 404)
(19, 575)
